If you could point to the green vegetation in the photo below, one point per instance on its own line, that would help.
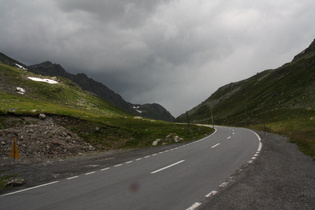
(280, 101)
(90, 117)
(4, 180)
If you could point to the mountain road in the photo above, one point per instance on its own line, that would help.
(178, 178)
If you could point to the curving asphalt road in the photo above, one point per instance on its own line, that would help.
(179, 178)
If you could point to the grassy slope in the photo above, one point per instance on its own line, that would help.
(280, 100)
(93, 119)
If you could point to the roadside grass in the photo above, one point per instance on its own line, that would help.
(4, 180)
(300, 130)
(123, 133)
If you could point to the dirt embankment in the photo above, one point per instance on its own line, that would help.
(40, 138)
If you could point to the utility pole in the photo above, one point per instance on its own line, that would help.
(211, 116)
(188, 124)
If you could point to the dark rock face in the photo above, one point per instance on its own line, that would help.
(10, 61)
(151, 111)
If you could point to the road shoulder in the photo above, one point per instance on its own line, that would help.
(281, 177)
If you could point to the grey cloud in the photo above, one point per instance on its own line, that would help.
(173, 52)
(125, 13)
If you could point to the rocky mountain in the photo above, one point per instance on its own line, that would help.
(151, 111)
(281, 94)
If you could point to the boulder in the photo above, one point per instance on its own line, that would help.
(156, 142)
(16, 183)
(42, 116)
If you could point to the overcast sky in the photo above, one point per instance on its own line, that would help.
(172, 52)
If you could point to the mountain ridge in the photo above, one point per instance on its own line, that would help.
(280, 100)
(48, 68)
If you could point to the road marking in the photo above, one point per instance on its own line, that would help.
(194, 206)
(138, 159)
(89, 173)
(224, 184)
(215, 145)
(129, 162)
(250, 161)
(104, 169)
(229, 137)
(31, 188)
(117, 165)
(212, 193)
(74, 177)
(154, 154)
(166, 167)
(147, 156)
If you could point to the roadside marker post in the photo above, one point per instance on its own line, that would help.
(14, 153)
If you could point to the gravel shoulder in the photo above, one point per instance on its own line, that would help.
(280, 178)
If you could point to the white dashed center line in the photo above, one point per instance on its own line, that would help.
(194, 206)
(215, 145)
(166, 167)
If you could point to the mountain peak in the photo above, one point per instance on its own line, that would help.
(310, 51)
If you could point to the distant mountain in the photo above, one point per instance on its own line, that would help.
(10, 61)
(285, 93)
(151, 111)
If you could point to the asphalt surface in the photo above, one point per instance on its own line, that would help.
(184, 177)
(280, 178)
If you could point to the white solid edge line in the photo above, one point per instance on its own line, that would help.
(259, 139)
(212, 193)
(166, 167)
(194, 206)
(73, 177)
(89, 173)
(31, 188)
(104, 169)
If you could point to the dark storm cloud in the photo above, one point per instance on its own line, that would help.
(173, 52)
(124, 12)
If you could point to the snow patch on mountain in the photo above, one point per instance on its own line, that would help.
(21, 67)
(50, 81)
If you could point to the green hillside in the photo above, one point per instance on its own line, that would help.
(280, 100)
(92, 118)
